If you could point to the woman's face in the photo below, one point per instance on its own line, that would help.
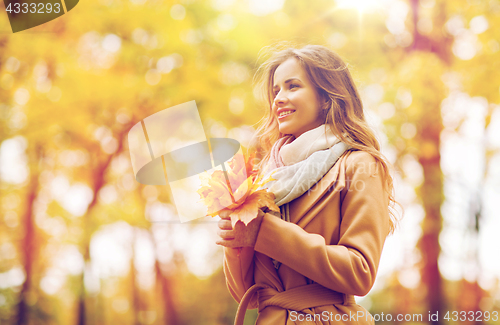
(296, 103)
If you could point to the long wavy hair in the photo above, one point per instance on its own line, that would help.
(344, 110)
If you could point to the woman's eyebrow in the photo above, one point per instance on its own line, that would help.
(287, 81)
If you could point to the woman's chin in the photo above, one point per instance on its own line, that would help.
(285, 127)
(285, 130)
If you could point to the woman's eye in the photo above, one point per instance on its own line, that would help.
(291, 86)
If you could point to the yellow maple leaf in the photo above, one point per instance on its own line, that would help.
(249, 210)
(216, 192)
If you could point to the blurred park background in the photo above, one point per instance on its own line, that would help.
(83, 243)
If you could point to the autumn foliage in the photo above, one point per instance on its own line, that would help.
(244, 203)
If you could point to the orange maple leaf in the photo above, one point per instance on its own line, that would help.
(249, 210)
(244, 202)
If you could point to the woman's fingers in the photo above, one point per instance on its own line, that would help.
(226, 234)
(225, 224)
(227, 238)
(225, 231)
(228, 243)
(225, 214)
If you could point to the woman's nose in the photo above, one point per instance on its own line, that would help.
(280, 99)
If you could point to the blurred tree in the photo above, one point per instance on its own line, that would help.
(100, 166)
(168, 298)
(27, 295)
(429, 130)
(137, 305)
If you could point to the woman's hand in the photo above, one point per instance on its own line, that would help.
(241, 235)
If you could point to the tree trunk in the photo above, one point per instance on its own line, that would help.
(136, 295)
(431, 192)
(166, 285)
(99, 182)
(429, 157)
(28, 242)
(165, 282)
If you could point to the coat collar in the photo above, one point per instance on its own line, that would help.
(305, 208)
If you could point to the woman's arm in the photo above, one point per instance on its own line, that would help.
(238, 263)
(238, 269)
(351, 265)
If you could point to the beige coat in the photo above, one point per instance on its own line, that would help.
(329, 251)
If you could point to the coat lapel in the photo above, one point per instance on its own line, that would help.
(305, 208)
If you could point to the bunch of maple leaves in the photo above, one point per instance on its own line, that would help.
(243, 203)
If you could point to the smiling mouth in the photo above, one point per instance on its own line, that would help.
(285, 113)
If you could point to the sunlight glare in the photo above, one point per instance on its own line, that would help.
(360, 5)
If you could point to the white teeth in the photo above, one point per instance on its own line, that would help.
(284, 113)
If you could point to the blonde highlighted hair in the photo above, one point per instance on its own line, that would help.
(344, 109)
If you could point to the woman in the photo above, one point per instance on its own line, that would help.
(334, 191)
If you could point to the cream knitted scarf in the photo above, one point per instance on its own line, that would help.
(297, 164)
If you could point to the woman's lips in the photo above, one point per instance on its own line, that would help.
(285, 113)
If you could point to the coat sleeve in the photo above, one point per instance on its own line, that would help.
(350, 266)
(238, 269)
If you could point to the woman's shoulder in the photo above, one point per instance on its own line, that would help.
(350, 162)
(356, 155)
(360, 161)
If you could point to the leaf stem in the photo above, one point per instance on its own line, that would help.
(227, 182)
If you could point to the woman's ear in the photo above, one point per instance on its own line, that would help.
(326, 101)
(327, 104)
(325, 108)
